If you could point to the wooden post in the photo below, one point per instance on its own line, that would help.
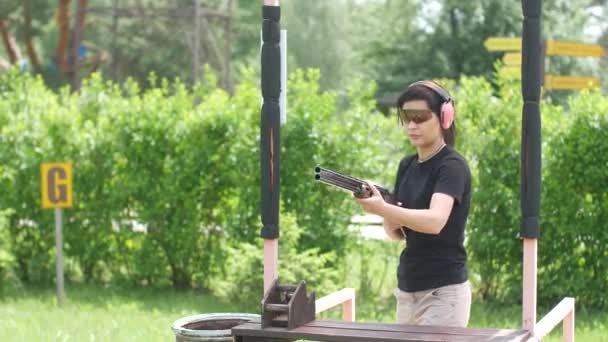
(562, 312)
(529, 284)
(531, 153)
(344, 297)
(270, 139)
(271, 262)
(568, 327)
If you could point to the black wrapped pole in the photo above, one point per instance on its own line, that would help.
(532, 61)
(270, 144)
(532, 72)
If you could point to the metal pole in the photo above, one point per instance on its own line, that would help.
(59, 256)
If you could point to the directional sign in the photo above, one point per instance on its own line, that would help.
(555, 48)
(512, 59)
(503, 44)
(552, 47)
(511, 71)
(570, 82)
(56, 183)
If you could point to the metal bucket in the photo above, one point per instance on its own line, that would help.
(210, 327)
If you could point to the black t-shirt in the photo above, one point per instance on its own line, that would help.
(430, 261)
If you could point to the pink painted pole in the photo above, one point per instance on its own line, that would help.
(271, 262)
(345, 297)
(348, 310)
(568, 327)
(561, 313)
(529, 283)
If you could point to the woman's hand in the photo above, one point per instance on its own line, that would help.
(374, 204)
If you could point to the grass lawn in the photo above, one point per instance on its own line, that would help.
(97, 313)
(590, 326)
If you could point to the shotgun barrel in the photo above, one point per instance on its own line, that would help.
(358, 187)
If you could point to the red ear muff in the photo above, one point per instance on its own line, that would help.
(447, 115)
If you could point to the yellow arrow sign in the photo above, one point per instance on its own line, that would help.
(512, 58)
(503, 44)
(511, 71)
(555, 48)
(553, 82)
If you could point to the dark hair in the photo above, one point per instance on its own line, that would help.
(434, 101)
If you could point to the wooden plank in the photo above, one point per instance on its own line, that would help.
(416, 328)
(258, 339)
(554, 317)
(276, 307)
(336, 332)
(346, 297)
(338, 335)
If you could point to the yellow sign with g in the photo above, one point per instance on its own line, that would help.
(56, 183)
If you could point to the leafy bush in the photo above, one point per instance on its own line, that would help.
(573, 255)
(167, 191)
(491, 134)
(7, 260)
(243, 281)
(180, 164)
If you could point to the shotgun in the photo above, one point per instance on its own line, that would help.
(358, 187)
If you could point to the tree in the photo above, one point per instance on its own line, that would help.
(27, 22)
(320, 37)
(13, 52)
(444, 38)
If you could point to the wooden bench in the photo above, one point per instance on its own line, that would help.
(341, 331)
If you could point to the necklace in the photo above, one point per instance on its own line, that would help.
(432, 154)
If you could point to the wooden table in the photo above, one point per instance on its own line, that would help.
(341, 331)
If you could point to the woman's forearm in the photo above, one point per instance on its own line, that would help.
(427, 221)
(393, 230)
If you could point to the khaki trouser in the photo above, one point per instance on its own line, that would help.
(446, 306)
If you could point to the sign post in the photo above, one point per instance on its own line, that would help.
(56, 186)
(513, 60)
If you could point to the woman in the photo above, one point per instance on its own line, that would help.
(433, 190)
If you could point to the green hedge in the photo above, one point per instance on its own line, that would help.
(184, 164)
(572, 254)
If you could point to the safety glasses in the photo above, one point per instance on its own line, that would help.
(416, 115)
